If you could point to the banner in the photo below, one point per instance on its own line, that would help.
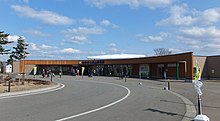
(35, 70)
(83, 68)
(197, 72)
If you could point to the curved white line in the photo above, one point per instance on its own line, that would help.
(103, 107)
(32, 93)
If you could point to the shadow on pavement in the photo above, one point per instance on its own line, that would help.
(164, 112)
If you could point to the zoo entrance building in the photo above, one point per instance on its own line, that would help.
(176, 66)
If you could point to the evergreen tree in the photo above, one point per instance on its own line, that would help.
(20, 52)
(10, 60)
(4, 41)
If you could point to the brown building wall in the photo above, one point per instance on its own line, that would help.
(171, 72)
(176, 58)
(182, 70)
(157, 72)
(51, 62)
(47, 62)
(214, 66)
(135, 70)
(153, 70)
(153, 61)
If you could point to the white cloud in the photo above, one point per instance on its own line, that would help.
(213, 46)
(80, 35)
(178, 16)
(87, 31)
(203, 40)
(182, 15)
(36, 33)
(70, 51)
(13, 38)
(116, 56)
(105, 22)
(51, 52)
(26, 1)
(175, 50)
(43, 47)
(112, 45)
(114, 26)
(209, 16)
(158, 38)
(87, 22)
(34, 46)
(210, 33)
(47, 47)
(47, 17)
(115, 50)
(131, 3)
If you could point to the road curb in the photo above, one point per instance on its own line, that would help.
(190, 113)
(31, 92)
(190, 107)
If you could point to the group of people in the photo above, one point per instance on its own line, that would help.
(49, 73)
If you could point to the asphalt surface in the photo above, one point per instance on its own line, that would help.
(210, 97)
(143, 102)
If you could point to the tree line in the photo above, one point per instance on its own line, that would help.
(16, 53)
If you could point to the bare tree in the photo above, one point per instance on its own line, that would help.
(162, 51)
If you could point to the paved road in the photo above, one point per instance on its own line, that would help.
(210, 97)
(143, 104)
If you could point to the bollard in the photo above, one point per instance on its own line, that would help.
(168, 85)
(125, 78)
(200, 116)
(51, 78)
(9, 86)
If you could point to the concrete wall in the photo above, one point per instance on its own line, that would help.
(29, 69)
(210, 66)
(16, 67)
(203, 63)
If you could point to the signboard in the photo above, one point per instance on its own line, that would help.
(92, 62)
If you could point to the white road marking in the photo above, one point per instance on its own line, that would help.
(103, 107)
(32, 93)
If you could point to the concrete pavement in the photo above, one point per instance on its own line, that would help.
(161, 104)
(210, 97)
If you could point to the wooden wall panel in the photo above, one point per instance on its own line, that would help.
(176, 58)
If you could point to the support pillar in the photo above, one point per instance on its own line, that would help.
(177, 71)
